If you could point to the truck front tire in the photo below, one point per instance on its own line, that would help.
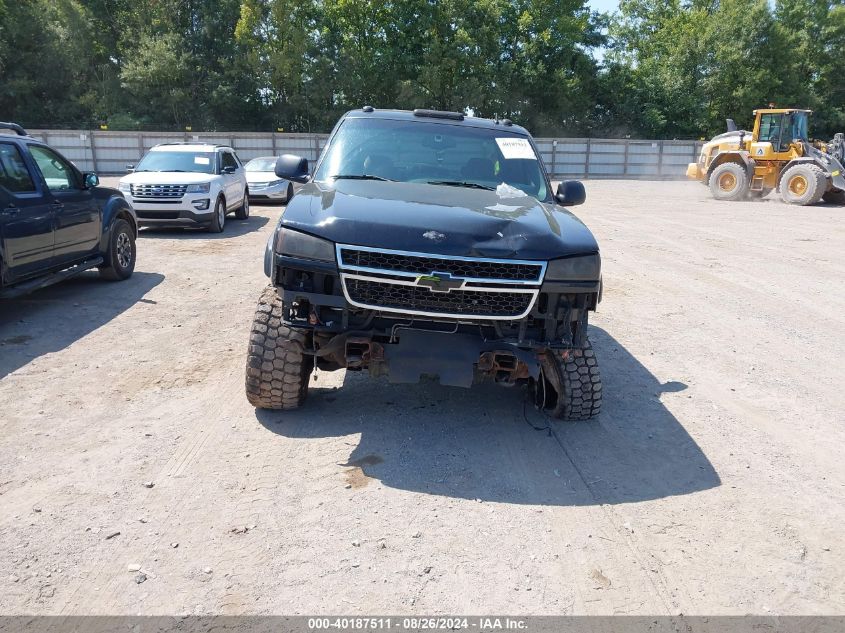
(277, 370)
(570, 387)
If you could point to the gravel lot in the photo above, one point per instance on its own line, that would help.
(713, 482)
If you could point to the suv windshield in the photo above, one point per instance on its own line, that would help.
(435, 153)
(201, 162)
(261, 164)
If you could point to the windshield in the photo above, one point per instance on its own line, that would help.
(434, 153)
(799, 126)
(261, 164)
(200, 162)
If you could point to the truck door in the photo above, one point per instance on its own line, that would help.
(26, 221)
(77, 218)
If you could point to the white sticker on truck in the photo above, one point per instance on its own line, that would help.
(516, 148)
(202, 160)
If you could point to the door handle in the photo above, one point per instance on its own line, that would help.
(58, 205)
(10, 210)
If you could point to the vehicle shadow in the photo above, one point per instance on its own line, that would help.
(53, 318)
(233, 228)
(258, 203)
(487, 444)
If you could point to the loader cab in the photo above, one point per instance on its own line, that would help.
(775, 130)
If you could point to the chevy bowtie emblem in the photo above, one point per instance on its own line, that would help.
(440, 282)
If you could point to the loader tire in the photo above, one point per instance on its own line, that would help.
(803, 184)
(277, 370)
(834, 197)
(570, 388)
(729, 181)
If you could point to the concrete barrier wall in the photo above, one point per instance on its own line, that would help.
(110, 152)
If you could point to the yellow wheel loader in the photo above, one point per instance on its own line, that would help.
(777, 154)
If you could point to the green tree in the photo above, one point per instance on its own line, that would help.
(48, 51)
(679, 68)
(809, 67)
(657, 67)
(671, 68)
(159, 76)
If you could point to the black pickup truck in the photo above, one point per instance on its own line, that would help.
(429, 243)
(55, 221)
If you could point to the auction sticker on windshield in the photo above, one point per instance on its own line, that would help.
(516, 148)
(202, 160)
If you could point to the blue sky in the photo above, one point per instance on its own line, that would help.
(603, 5)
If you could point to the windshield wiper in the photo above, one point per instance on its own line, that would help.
(460, 183)
(360, 177)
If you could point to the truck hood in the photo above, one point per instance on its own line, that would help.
(437, 219)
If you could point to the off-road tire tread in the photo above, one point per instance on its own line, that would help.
(742, 190)
(277, 372)
(582, 388)
(818, 178)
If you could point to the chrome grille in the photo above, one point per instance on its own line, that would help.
(158, 191)
(480, 269)
(438, 285)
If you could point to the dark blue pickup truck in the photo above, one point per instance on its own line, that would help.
(56, 221)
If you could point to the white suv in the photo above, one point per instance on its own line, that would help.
(182, 184)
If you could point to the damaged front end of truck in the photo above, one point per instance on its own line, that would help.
(405, 280)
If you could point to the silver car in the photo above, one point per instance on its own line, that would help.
(263, 182)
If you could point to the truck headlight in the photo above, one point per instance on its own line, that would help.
(124, 187)
(580, 268)
(296, 244)
(204, 187)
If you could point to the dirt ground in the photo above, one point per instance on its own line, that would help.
(712, 483)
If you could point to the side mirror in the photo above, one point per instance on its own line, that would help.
(229, 169)
(570, 192)
(293, 168)
(130, 168)
(91, 180)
